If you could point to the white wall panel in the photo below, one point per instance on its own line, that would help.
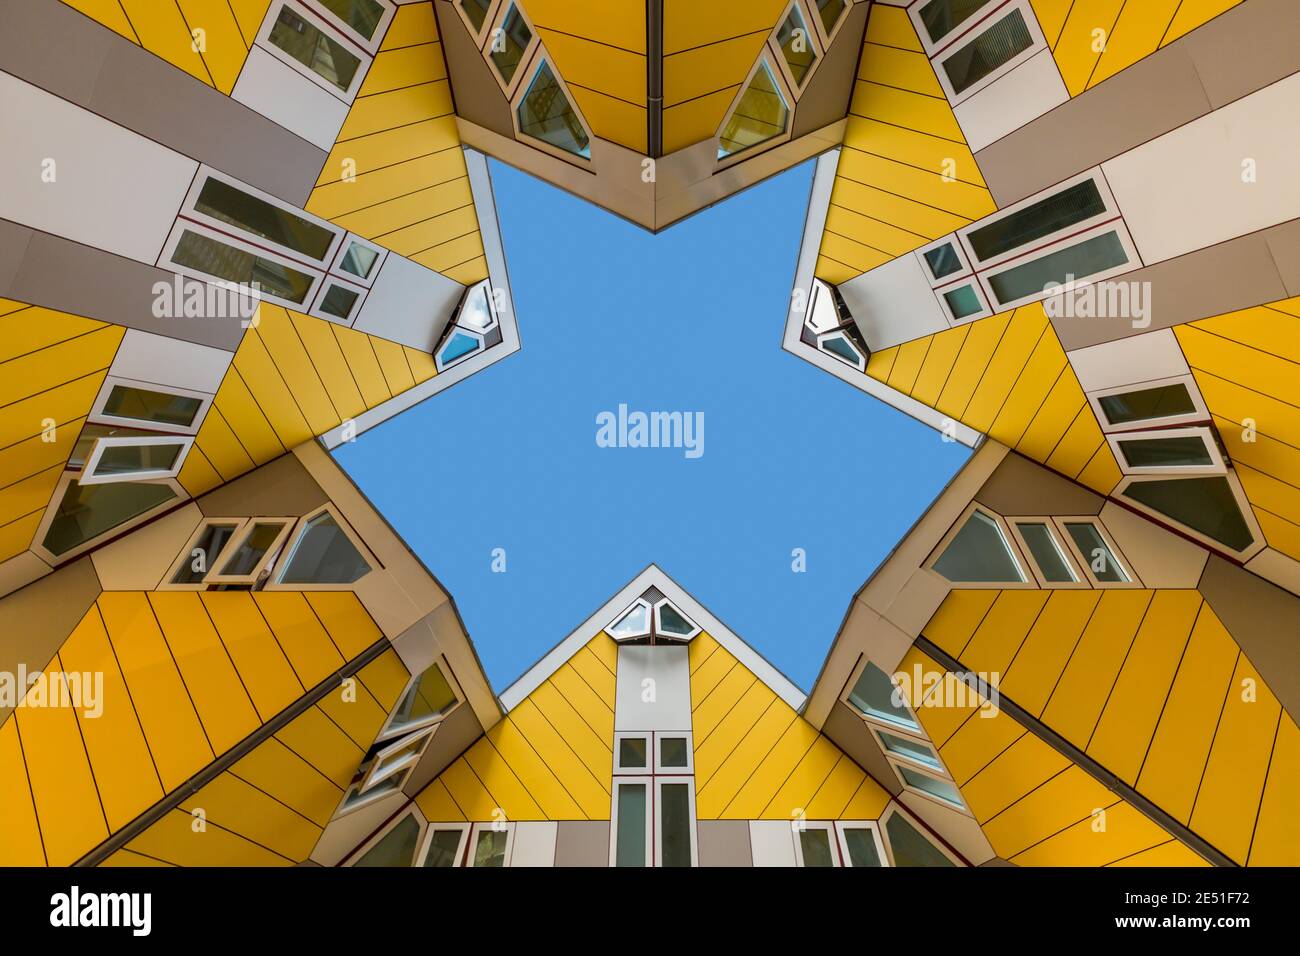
(146, 357)
(893, 303)
(1128, 361)
(1185, 190)
(772, 842)
(669, 669)
(112, 189)
(290, 99)
(1020, 97)
(534, 844)
(408, 303)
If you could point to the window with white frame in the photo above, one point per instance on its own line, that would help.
(653, 805)
(1042, 542)
(1095, 552)
(509, 44)
(1169, 451)
(444, 845)
(1212, 509)
(134, 458)
(860, 844)
(490, 844)
(973, 43)
(832, 843)
(874, 695)
(428, 698)
(760, 114)
(1170, 401)
(330, 42)
(473, 327)
(544, 113)
(907, 844)
(652, 619)
(829, 326)
(978, 551)
(394, 845)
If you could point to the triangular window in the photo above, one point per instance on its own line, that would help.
(761, 114)
(545, 113)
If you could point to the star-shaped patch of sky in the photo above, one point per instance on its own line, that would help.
(688, 320)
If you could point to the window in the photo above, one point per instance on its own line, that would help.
(362, 16)
(874, 695)
(860, 844)
(250, 552)
(830, 12)
(134, 459)
(1064, 267)
(908, 846)
(843, 348)
(227, 203)
(796, 45)
(813, 845)
(634, 622)
(211, 257)
(428, 698)
(988, 53)
(761, 114)
(908, 748)
(653, 807)
(1071, 206)
(941, 17)
(979, 553)
(1212, 508)
(444, 844)
(545, 114)
(1164, 402)
(944, 260)
(156, 408)
(200, 554)
(945, 791)
(339, 302)
(1170, 451)
(359, 259)
(468, 332)
(395, 847)
(965, 302)
(85, 513)
(1049, 558)
(672, 624)
(323, 553)
(491, 844)
(508, 43)
(314, 51)
(643, 623)
(397, 759)
(475, 12)
(1095, 552)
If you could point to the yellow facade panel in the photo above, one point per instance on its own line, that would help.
(1192, 14)
(739, 766)
(595, 712)
(713, 748)
(381, 111)
(506, 790)
(239, 807)
(110, 15)
(300, 635)
(942, 356)
(977, 742)
(589, 791)
(890, 26)
(592, 749)
(1021, 768)
(278, 771)
(1277, 833)
(28, 329)
(363, 364)
(321, 743)
(222, 447)
(328, 361)
(258, 370)
(402, 67)
(1003, 630)
(1126, 831)
(1051, 16)
(296, 368)
(689, 25)
(64, 403)
(611, 117)
(905, 69)
(871, 232)
(257, 655)
(20, 834)
(915, 111)
(1086, 33)
(696, 120)
(437, 804)
(353, 630)
(174, 839)
(1064, 800)
(1033, 673)
(220, 43)
(833, 796)
(245, 418)
(972, 364)
(163, 32)
(761, 786)
(543, 785)
(58, 364)
(719, 702)
(414, 23)
(806, 778)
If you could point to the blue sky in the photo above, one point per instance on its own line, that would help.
(689, 320)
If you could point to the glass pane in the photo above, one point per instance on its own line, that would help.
(490, 850)
(209, 545)
(1165, 452)
(862, 847)
(675, 824)
(339, 301)
(841, 347)
(476, 10)
(458, 347)
(909, 847)
(629, 850)
(874, 696)
(1096, 552)
(359, 260)
(943, 789)
(816, 846)
(1206, 505)
(257, 217)
(92, 433)
(162, 408)
(428, 697)
(672, 622)
(1039, 219)
(324, 555)
(252, 549)
(909, 748)
(442, 848)
(396, 847)
(796, 45)
(88, 511)
(546, 114)
(635, 621)
(361, 15)
(979, 553)
(631, 752)
(830, 12)
(476, 312)
(1047, 553)
(943, 261)
(941, 17)
(207, 255)
(760, 115)
(1065, 265)
(128, 459)
(1163, 401)
(509, 42)
(997, 45)
(307, 44)
(672, 752)
(963, 301)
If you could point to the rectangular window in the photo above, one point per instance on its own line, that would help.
(491, 844)
(941, 789)
(91, 433)
(1095, 552)
(1064, 266)
(150, 405)
(873, 695)
(134, 459)
(964, 302)
(1053, 563)
(209, 256)
(428, 698)
(359, 259)
(1042, 218)
(674, 753)
(860, 844)
(908, 748)
(307, 44)
(631, 822)
(632, 753)
(1213, 508)
(990, 51)
(200, 554)
(508, 44)
(943, 261)
(339, 302)
(1170, 451)
(813, 845)
(397, 758)
(444, 845)
(250, 552)
(1168, 403)
(675, 817)
(227, 203)
(942, 17)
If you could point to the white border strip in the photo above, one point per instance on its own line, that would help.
(814, 225)
(651, 577)
(480, 184)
